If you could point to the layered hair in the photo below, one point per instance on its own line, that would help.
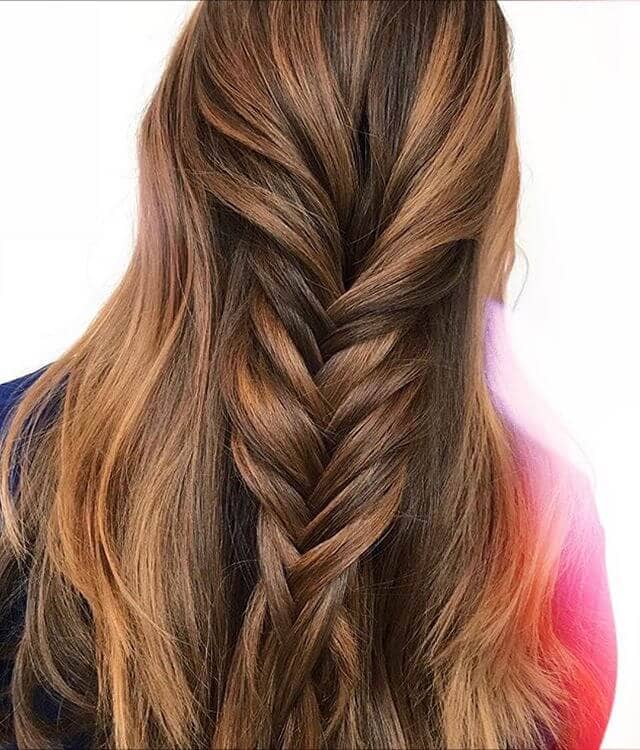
(266, 500)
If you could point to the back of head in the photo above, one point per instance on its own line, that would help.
(274, 505)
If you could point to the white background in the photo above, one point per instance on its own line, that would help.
(74, 79)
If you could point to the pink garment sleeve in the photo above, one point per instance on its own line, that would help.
(584, 620)
(582, 611)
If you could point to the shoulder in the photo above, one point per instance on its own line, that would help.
(555, 472)
(581, 602)
(12, 390)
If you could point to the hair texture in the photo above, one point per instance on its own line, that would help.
(266, 501)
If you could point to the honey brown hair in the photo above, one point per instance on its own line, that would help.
(266, 500)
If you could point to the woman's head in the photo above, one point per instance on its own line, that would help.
(273, 505)
(377, 129)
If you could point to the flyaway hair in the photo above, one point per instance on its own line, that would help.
(266, 500)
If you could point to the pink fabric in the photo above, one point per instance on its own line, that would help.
(582, 606)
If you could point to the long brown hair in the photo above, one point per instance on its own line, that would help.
(266, 500)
